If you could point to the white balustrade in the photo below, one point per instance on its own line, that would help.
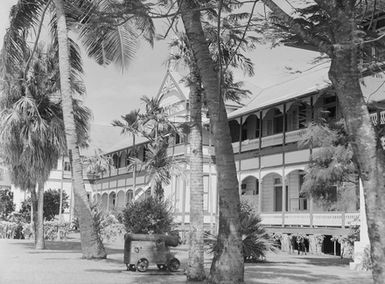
(294, 136)
(271, 218)
(248, 144)
(297, 219)
(235, 147)
(327, 219)
(382, 116)
(272, 140)
(352, 219)
(113, 172)
(374, 118)
(322, 219)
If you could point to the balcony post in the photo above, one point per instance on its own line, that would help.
(239, 161)
(343, 219)
(260, 193)
(260, 132)
(108, 202)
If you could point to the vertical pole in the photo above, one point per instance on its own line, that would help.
(61, 190)
(108, 202)
(134, 169)
(239, 158)
(210, 187)
(311, 211)
(284, 209)
(260, 193)
(260, 161)
(184, 207)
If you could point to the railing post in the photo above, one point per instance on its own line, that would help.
(343, 219)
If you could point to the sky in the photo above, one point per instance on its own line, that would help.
(112, 93)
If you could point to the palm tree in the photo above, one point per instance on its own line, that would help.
(130, 125)
(228, 261)
(182, 53)
(31, 119)
(154, 125)
(107, 42)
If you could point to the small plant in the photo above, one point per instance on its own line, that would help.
(148, 216)
(52, 228)
(256, 242)
(367, 263)
(111, 228)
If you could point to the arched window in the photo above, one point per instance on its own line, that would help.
(250, 128)
(234, 130)
(277, 122)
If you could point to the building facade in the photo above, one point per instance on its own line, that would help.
(270, 163)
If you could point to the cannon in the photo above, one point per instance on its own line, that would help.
(141, 249)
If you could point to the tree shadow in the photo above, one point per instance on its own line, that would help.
(299, 275)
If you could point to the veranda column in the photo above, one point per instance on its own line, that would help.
(260, 163)
(239, 161)
(284, 209)
(359, 247)
(260, 192)
(108, 201)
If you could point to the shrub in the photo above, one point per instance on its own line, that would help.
(347, 241)
(148, 216)
(6, 202)
(367, 263)
(52, 228)
(27, 231)
(51, 205)
(256, 242)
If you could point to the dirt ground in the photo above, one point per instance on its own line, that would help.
(61, 263)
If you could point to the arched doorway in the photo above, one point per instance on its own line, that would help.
(120, 199)
(112, 201)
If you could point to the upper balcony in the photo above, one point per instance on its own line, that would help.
(285, 123)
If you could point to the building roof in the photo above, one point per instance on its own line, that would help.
(373, 88)
(125, 141)
(101, 137)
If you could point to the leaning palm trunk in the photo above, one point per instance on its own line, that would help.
(195, 268)
(227, 265)
(40, 244)
(92, 246)
(345, 75)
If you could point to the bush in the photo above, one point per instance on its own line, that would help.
(148, 216)
(256, 242)
(27, 231)
(53, 228)
(51, 205)
(6, 202)
(8, 229)
(111, 228)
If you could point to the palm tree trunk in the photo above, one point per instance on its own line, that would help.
(40, 244)
(195, 267)
(91, 243)
(61, 199)
(227, 265)
(34, 215)
(367, 150)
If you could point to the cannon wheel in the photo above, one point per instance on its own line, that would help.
(173, 264)
(131, 267)
(142, 265)
(162, 266)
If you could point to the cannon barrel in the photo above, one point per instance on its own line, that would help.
(169, 240)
